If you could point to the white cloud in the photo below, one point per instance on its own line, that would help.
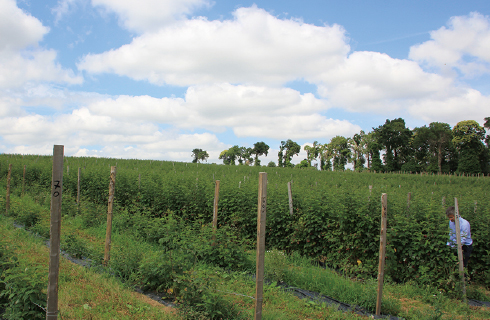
(62, 8)
(20, 59)
(249, 110)
(17, 28)
(464, 44)
(466, 104)
(254, 48)
(17, 69)
(375, 82)
(150, 15)
(314, 126)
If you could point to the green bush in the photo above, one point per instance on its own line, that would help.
(23, 288)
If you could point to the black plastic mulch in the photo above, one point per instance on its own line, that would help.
(319, 298)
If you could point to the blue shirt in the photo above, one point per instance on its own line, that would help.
(464, 227)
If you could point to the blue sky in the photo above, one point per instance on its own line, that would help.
(154, 79)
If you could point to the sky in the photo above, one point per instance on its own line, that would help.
(155, 79)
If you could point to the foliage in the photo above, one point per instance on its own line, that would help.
(199, 155)
(259, 149)
(394, 136)
(286, 152)
(21, 287)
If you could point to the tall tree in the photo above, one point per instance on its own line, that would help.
(340, 151)
(468, 138)
(312, 152)
(286, 152)
(356, 144)
(394, 136)
(433, 144)
(199, 155)
(260, 148)
(486, 125)
(325, 155)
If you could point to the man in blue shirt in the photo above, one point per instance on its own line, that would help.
(466, 241)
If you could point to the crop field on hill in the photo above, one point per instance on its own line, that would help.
(163, 212)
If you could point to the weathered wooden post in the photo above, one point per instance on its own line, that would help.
(139, 181)
(112, 185)
(215, 205)
(7, 196)
(460, 249)
(409, 199)
(382, 252)
(261, 220)
(290, 194)
(55, 233)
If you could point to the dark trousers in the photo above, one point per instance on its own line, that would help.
(466, 253)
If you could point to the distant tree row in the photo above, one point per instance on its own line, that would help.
(388, 148)
(394, 147)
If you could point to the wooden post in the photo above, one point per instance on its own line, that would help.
(443, 202)
(139, 181)
(24, 181)
(290, 194)
(261, 220)
(409, 198)
(7, 197)
(78, 186)
(112, 184)
(382, 252)
(215, 205)
(460, 249)
(55, 233)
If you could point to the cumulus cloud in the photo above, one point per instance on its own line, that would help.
(254, 48)
(221, 106)
(150, 15)
(82, 132)
(465, 104)
(372, 81)
(21, 61)
(17, 28)
(464, 44)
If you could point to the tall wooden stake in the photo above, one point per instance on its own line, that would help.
(112, 185)
(215, 205)
(460, 249)
(261, 219)
(55, 233)
(7, 197)
(290, 194)
(382, 252)
(409, 199)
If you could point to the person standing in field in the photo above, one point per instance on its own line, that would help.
(466, 241)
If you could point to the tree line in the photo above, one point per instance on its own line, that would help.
(390, 147)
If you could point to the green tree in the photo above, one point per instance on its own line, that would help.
(394, 136)
(312, 152)
(325, 154)
(260, 148)
(287, 150)
(432, 145)
(486, 125)
(468, 139)
(199, 155)
(341, 152)
(356, 144)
